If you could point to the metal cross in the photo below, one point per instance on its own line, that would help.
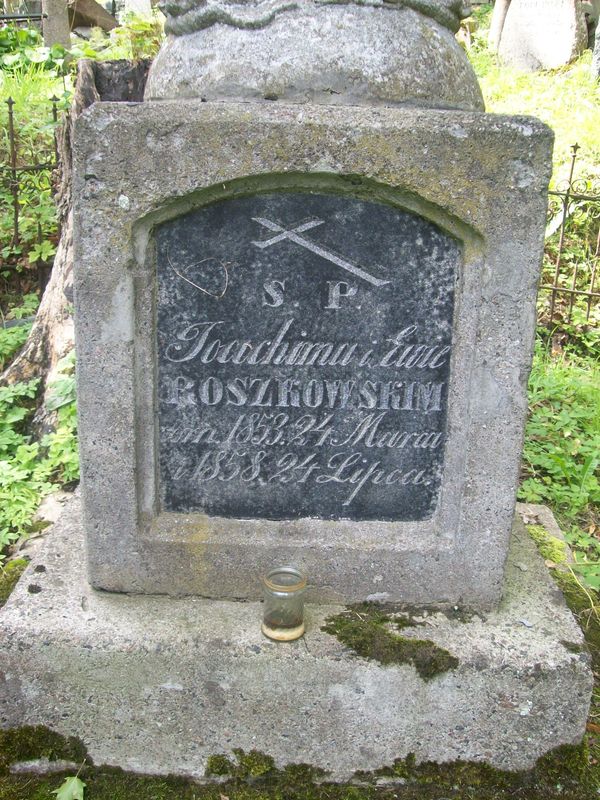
(293, 235)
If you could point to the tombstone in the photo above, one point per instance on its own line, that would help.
(538, 34)
(304, 329)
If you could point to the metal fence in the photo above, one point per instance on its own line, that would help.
(572, 259)
(20, 181)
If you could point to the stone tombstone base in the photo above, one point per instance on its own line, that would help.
(158, 685)
(222, 252)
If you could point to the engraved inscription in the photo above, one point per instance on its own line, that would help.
(304, 374)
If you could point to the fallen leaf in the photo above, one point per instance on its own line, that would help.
(70, 789)
(591, 727)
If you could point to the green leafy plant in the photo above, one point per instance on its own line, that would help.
(138, 37)
(13, 338)
(562, 451)
(30, 470)
(60, 446)
(22, 484)
(21, 47)
(27, 308)
(31, 88)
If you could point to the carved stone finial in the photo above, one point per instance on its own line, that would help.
(188, 16)
(333, 52)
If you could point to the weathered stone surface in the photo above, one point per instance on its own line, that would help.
(157, 684)
(304, 346)
(542, 34)
(371, 53)
(490, 198)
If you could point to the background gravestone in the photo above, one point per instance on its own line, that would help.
(542, 34)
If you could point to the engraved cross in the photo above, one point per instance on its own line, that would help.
(294, 236)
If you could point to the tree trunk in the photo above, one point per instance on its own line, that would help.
(497, 23)
(51, 336)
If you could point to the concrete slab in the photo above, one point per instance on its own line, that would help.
(156, 684)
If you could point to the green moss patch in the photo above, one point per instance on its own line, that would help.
(551, 548)
(561, 769)
(366, 629)
(9, 575)
(33, 742)
(560, 774)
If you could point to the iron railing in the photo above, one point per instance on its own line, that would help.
(572, 262)
(20, 181)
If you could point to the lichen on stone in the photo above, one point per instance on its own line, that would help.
(367, 628)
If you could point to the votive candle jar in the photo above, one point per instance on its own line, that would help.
(283, 612)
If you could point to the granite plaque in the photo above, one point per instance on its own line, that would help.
(303, 346)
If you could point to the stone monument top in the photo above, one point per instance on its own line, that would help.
(188, 16)
(360, 52)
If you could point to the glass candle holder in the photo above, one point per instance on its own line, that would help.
(283, 614)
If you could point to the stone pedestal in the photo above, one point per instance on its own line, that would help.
(158, 684)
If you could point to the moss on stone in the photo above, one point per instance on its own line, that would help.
(33, 742)
(253, 764)
(563, 773)
(219, 765)
(551, 548)
(365, 628)
(585, 605)
(9, 575)
(565, 766)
